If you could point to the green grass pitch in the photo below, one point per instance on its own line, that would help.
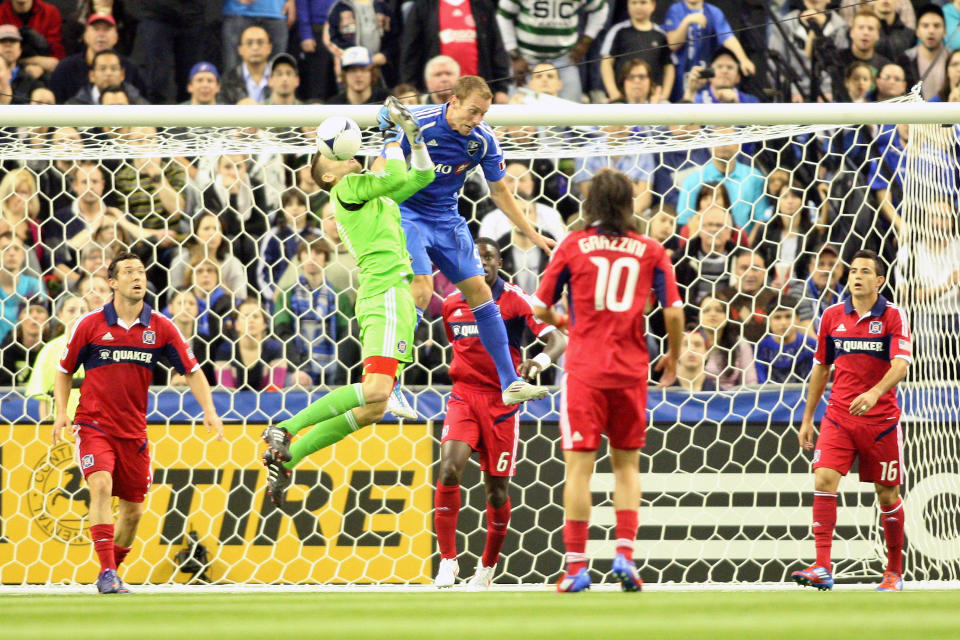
(498, 615)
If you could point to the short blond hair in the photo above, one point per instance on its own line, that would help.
(467, 86)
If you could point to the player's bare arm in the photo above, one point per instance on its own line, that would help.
(866, 401)
(551, 316)
(201, 391)
(61, 390)
(667, 364)
(508, 204)
(556, 344)
(818, 383)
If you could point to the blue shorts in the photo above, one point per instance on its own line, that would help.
(446, 242)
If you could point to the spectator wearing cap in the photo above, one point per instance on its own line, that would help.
(466, 31)
(284, 80)
(249, 78)
(820, 289)
(106, 70)
(73, 72)
(359, 79)
(16, 285)
(22, 80)
(169, 42)
(204, 85)
(923, 60)
(40, 24)
(319, 79)
(895, 36)
(19, 350)
(723, 86)
(275, 17)
(370, 24)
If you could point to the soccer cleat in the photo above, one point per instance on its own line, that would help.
(521, 391)
(573, 584)
(447, 573)
(482, 579)
(815, 576)
(397, 405)
(891, 582)
(278, 476)
(109, 582)
(626, 572)
(278, 439)
(400, 115)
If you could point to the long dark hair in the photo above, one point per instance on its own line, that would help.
(805, 222)
(610, 202)
(195, 247)
(716, 191)
(946, 88)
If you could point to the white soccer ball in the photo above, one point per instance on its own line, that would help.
(338, 138)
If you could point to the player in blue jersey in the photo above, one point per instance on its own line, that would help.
(459, 140)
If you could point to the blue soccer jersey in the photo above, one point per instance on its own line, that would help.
(453, 155)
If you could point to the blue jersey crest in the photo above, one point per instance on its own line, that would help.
(453, 156)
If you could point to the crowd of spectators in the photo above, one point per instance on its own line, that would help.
(243, 252)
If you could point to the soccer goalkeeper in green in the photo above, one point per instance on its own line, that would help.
(368, 220)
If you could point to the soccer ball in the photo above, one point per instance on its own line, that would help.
(338, 138)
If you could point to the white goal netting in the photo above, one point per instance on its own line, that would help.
(756, 217)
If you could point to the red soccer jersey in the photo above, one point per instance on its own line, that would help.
(610, 277)
(861, 349)
(119, 365)
(458, 35)
(472, 366)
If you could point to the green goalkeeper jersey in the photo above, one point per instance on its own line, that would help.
(368, 219)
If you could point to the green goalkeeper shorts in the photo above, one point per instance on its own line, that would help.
(387, 321)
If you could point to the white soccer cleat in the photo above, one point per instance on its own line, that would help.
(447, 573)
(397, 405)
(521, 391)
(483, 578)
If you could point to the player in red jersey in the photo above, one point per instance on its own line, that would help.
(610, 271)
(477, 420)
(866, 339)
(118, 345)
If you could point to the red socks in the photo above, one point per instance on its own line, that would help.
(824, 522)
(575, 541)
(892, 518)
(102, 535)
(497, 520)
(626, 532)
(446, 508)
(119, 553)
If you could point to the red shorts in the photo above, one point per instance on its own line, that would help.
(588, 412)
(491, 428)
(877, 445)
(127, 460)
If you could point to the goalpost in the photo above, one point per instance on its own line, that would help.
(727, 490)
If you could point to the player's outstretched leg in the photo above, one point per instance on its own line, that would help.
(493, 335)
(398, 405)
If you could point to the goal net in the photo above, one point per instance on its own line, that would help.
(217, 203)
